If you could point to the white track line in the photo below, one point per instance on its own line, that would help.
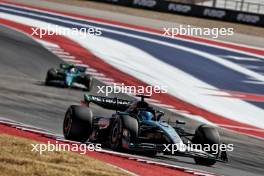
(67, 57)
(72, 60)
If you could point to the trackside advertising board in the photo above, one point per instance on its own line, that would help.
(193, 10)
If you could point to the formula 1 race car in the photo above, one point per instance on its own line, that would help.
(69, 75)
(137, 127)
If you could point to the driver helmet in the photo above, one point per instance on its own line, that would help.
(145, 115)
(73, 70)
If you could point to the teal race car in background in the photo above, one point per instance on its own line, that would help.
(69, 75)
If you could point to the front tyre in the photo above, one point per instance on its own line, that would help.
(124, 129)
(206, 135)
(77, 125)
(116, 131)
(88, 82)
(51, 75)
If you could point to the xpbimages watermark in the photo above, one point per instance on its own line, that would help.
(133, 90)
(212, 148)
(55, 29)
(197, 31)
(60, 147)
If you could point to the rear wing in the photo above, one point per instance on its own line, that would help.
(106, 102)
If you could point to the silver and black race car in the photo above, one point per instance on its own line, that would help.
(69, 75)
(137, 127)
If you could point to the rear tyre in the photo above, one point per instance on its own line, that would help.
(51, 75)
(205, 134)
(77, 125)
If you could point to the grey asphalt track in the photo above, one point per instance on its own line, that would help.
(24, 98)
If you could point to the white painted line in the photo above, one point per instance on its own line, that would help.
(8, 121)
(96, 74)
(91, 69)
(60, 52)
(66, 57)
(199, 173)
(110, 83)
(91, 72)
(251, 66)
(82, 65)
(242, 58)
(254, 82)
(104, 79)
(72, 60)
(36, 131)
(22, 126)
(51, 49)
(118, 84)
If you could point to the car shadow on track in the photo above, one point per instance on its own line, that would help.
(59, 85)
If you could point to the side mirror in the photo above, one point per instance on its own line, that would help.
(180, 122)
(160, 114)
